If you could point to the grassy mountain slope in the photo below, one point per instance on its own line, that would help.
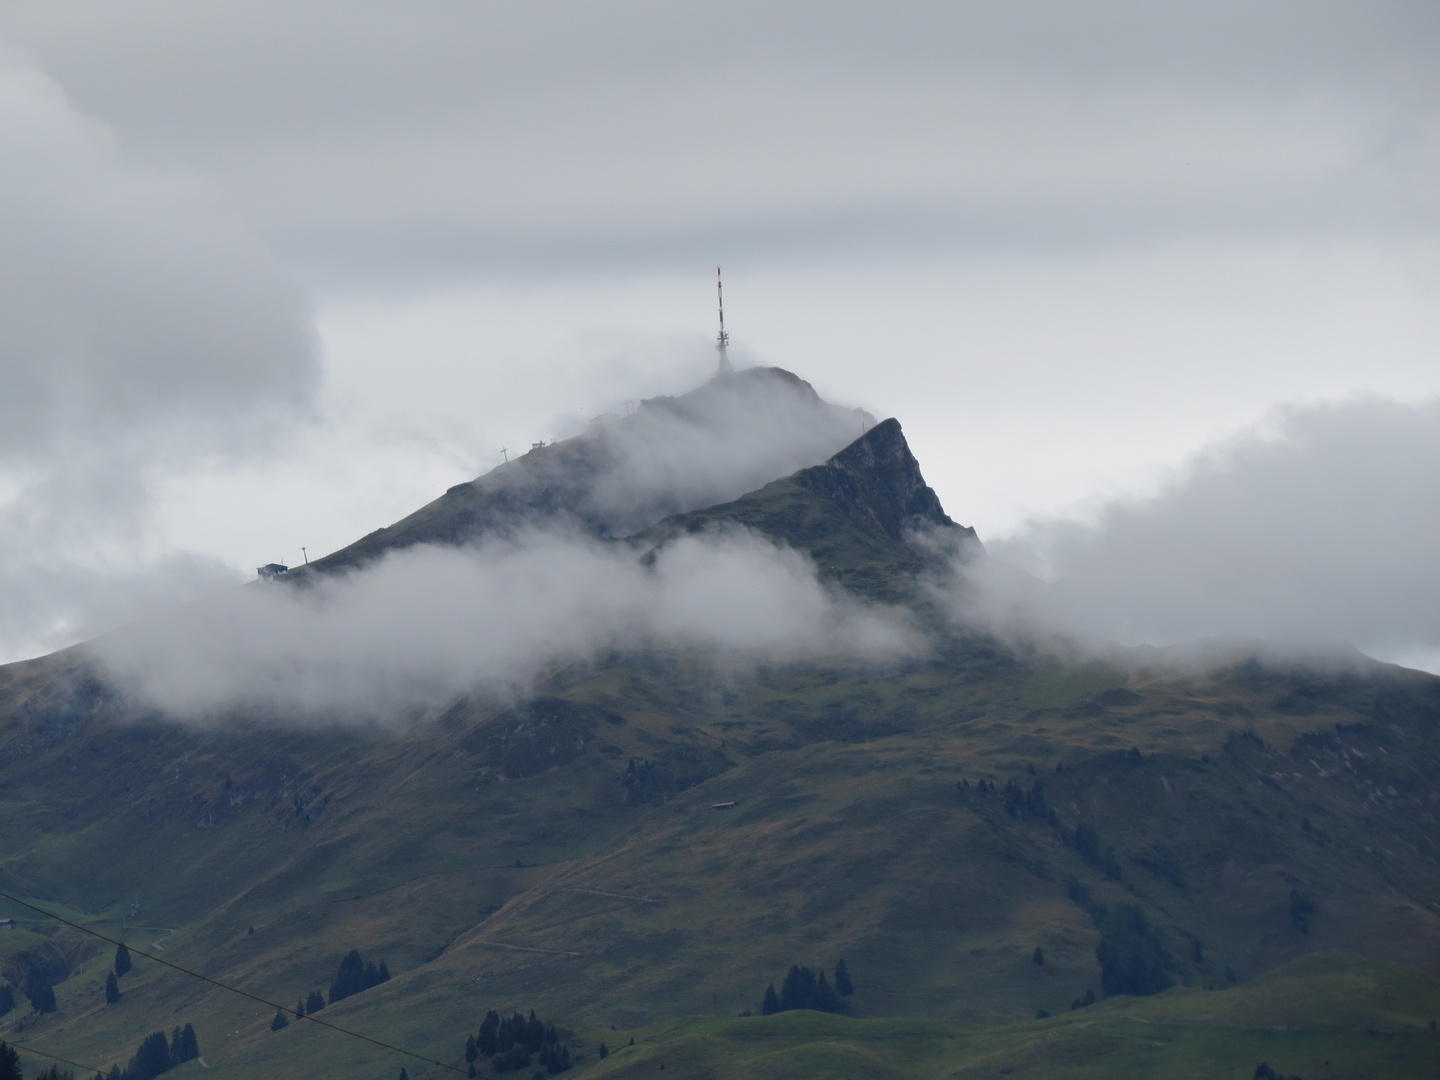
(1374, 1014)
(508, 855)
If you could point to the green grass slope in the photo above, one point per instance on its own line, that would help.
(1321, 1016)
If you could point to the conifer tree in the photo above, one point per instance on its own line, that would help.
(299, 1010)
(842, 979)
(122, 960)
(1038, 957)
(112, 989)
(42, 997)
(314, 1002)
(826, 1000)
(770, 1006)
(152, 1059)
(403, 1074)
(512, 1059)
(800, 989)
(7, 999)
(9, 1063)
(189, 1045)
(559, 1059)
(487, 1043)
(280, 1021)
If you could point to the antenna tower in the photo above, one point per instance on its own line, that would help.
(722, 340)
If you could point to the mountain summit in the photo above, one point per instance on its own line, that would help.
(673, 454)
(876, 481)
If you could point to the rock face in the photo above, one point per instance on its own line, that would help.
(876, 481)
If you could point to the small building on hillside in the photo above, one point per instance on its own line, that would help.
(270, 571)
(7, 924)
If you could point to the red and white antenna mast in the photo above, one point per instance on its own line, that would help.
(722, 340)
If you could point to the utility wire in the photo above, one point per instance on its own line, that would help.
(25, 1049)
(232, 989)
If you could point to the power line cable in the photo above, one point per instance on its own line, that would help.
(26, 1049)
(233, 989)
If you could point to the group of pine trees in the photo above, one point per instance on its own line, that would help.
(1133, 959)
(112, 980)
(508, 1044)
(157, 1055)
(354, 976)
(41, 995)
(35, 986)
(804, 989)
(644, 785)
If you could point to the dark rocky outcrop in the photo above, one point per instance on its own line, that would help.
(876, 481)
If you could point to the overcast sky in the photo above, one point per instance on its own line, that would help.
(275, 274)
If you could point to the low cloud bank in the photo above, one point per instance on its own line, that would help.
(1319, 527)
(430, 622)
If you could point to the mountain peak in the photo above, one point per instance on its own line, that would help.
(732, 434)
(877, 482)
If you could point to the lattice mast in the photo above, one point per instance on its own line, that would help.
(722, 340)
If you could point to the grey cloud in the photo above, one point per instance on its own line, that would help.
(142, 329)
(1318, 527)
(401, 628)
(491, 139)
(427, 623)
(127, 300)
(731, 436)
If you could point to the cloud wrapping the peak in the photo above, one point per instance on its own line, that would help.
(430, 622)
(1319, 526)
(729, 437)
